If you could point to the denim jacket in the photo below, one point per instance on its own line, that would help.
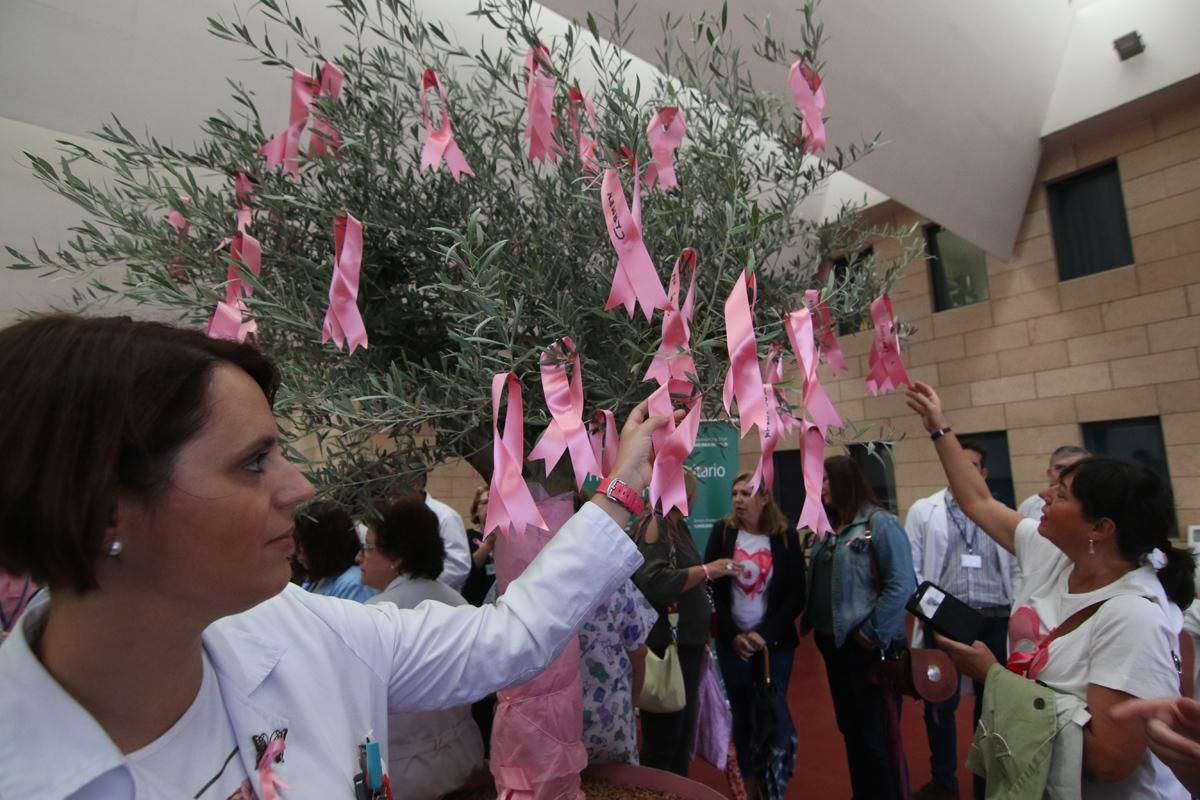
(856, 603)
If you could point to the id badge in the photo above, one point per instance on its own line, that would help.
(972, 561)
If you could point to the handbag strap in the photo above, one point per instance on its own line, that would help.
(876, 576)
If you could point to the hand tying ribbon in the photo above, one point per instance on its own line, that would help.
(539, 95)
(665, 134)
(887, 370)
(605, 439)
(636, 281)
(510, 505)
(440, 145)
(817, 405)
(672, 444)
(284, 148)
(823, 325)
(586, 141)
(268, 778)
(343, 322)
(673, 362)
(810, 102)
(812, 459)
(564, 398)
(743, 381)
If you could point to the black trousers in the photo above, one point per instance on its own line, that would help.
(667, 738)
(859, 707)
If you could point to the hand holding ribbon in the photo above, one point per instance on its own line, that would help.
(665, 134)
(886, 369)
(440, 144)
(810, 102)
(564, 398)
(635, 281)
(743, 381)
(343, 322)
(510, 505)
(539, 96)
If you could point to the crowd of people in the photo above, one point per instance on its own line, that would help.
(169, 653)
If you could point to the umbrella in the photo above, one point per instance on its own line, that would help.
(773, 745)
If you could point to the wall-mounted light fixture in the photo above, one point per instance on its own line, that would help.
(1129, 45)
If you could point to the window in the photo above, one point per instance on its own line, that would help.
(957, 267)
(879, 468)
(1138, 439)
(996, 460)
(1087, 215)
(842, 272)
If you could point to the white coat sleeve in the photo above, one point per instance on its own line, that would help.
(914, 526)
(457, 565)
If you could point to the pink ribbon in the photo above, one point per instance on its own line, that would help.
(539, 95)
(810, 102)
(326, 138)
(605, 439)
(1024, 629)
(780, 421)
(586, 141)
(812, 462)
(817, 404)
(887, 370)
(284, 148)
(673, 362)
(635, 281)
(343, 322)
(268, 778)
(665, 134)
(510, 505)
(245, 250)
(231, 321)
(564, 398)
(672, 444)
(243, 191)
(823, 324)
(743, 381)
(440, 145)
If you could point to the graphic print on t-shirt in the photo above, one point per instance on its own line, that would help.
(754, 570)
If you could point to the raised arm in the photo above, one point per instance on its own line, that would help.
(970, 490)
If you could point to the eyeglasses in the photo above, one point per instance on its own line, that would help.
(369, 548)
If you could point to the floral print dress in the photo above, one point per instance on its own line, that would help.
(614, 630)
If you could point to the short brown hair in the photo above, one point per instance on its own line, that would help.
(92, 406)
(772, 520)
(408, 529)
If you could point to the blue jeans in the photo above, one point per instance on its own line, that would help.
(740, 679)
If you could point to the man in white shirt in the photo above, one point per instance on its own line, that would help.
(953, 552)
(1060, 459)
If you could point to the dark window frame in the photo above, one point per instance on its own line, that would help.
(937, 279)
(1089, 224)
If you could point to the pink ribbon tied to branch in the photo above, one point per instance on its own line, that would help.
(510, 505)
(605, 439)
(586, 141)
(268, 777)
(635, 281)
(812, 463)
(284, 148)
(231, 321)
(665, 134)
(673, 362)
(743, 381)
(780, 421)
(440, 145)
(539, 96)
(672, 444)
(564, 398)
(823, 326)
(817, 405)
(343, 322)
(810, 102)
(243, 192)
(886, 369)
(326, 138)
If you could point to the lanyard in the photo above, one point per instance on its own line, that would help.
(7, 621)
(962, 532)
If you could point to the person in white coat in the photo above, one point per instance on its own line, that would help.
(1062, 457)
(141, 480)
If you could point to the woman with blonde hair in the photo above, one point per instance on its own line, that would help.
(757, 610)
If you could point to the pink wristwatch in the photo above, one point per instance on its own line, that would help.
(620, 492)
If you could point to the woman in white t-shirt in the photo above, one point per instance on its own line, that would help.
(1098, 614)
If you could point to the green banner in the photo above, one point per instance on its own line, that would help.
(715, 462)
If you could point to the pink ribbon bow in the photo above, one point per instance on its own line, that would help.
(586, 141)
(343, 322)
(743, 381)
(672, 444)
(810, 102)
(887, 370)
(817, 404)
(665, 134)
(673, 362)
(510, 505)
(440, 145)
(539, 95)
(243, 191)
(566, 431)
(1025, 630)
(284, 148)
(823, 325)
(605, 439)
(812, 462)
(636, 281)
(268, 778)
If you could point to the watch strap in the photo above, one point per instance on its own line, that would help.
(622, 494)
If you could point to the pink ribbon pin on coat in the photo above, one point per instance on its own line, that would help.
(585, 139)
(564, 398)
(343, 322)
(886, 369)
(268, 778)
(440, 144)
(810, 102)
(539, 96)
(635, 281)
(673, 362)
(665, 134)
(743, 381)
(510, 505)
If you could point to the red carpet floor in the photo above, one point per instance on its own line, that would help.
(821, 761)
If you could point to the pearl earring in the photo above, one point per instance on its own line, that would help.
(115, 548)
(1092, 546)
